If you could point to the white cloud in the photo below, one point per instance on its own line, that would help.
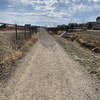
(96, 1)
(82, 8)
(54, 11)
(18, 18)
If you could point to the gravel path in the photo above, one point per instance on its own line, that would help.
(48, 73)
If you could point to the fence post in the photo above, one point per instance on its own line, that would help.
(25, 32)
(30, 32)
(16, 32)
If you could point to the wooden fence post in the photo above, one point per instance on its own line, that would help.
(16, 32)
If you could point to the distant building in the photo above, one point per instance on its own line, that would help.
(62, 27)
(72, 25)
(98, 19)
(97, 26)
(94, 25)
(10, 26)
(2, 25)
(82, 26)
(91, 25)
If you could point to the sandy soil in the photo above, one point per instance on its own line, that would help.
(48, 73)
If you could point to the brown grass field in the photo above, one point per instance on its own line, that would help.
(90, 40)
(83, 47)
(10, 50)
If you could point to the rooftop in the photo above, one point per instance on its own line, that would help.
(98, 18)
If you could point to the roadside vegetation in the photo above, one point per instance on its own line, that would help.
(84, 47)
(89, 40)
(11, 51)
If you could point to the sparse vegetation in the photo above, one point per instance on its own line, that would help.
(90, 40)
(11, 51)
(90, 60)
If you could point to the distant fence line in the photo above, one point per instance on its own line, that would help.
(20, 32)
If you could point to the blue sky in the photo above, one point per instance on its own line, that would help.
(48, 12)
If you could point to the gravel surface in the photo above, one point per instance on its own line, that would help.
(88, 59)
(48, 73)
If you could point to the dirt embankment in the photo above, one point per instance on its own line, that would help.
(90, 40)
(88, 59)
(11, 51)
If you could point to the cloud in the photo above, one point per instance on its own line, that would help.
(85, 8)
(96, 1)
(58, 8)
(50, 12)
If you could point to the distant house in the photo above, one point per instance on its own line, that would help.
(97, 26)
(91, 25)
(62, 27)
(2, 25)
(98, 19)
(82, 26)
(5, 26)
(10, 26)
(94, 25)
(72, 25)
(54, 29)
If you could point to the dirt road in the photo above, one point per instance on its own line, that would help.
(48, 73)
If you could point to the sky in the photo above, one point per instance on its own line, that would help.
(48, 12)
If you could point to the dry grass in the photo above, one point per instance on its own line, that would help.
(91, 61)
(10, 51)
(90, 40)
(83, 54)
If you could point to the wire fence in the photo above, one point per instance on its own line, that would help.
(14, 40)
(18, 32)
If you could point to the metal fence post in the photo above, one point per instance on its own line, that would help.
(30, 32)
(25, 32)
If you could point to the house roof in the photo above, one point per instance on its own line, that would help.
(10, 26)
(91, 23)
(98, 18)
